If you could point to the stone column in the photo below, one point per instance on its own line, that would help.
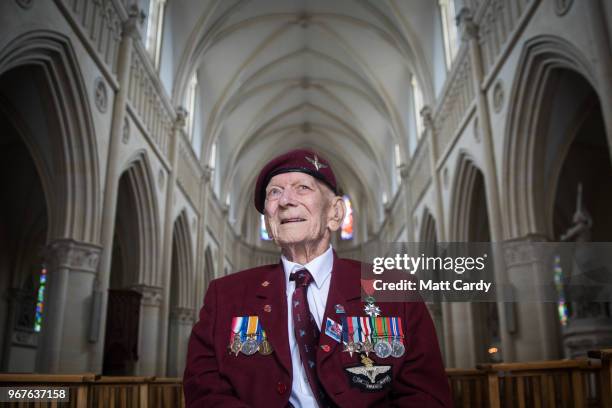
(470, 35)
(109, 207)
(72, 267)
(601, 36)
(148, 330)
(168, 236)
(181, 322)
(535, 324)
(446, 307)
(201, 282)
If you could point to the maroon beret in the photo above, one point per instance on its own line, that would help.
(300, 160)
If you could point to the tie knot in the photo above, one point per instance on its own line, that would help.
(301, 278)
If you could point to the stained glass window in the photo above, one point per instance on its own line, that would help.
(562, 306)
(346, 231)
(263, 233)
(40, 299)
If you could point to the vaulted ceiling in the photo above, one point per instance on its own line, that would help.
(333, 75)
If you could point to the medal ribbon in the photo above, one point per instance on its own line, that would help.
(345, 335)
(366, 327)
(236, 324)
(351, 329)
(399, 325)
(243, 328)
(385, 322)
(357, 328)
(252, 326)
(259, 332)
(394, 330)
(379, 327)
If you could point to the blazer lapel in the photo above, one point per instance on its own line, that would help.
(271, 295)
(344, 290)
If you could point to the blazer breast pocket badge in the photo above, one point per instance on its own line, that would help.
(248, 337)
(369, 377)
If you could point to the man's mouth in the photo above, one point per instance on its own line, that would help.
(288, 220)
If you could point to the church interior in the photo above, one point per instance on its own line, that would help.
(136, 129)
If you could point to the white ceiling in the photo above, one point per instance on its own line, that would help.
(333, 75)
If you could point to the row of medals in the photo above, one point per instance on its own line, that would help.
(382, 347)
(250, 346)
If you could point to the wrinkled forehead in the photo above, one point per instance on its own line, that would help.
(292, 178)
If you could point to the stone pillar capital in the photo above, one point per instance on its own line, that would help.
(151, 295)
(73, 255)
(136, 17)
(467, 26)
(182, 315)
(181, 117)
(427, 115)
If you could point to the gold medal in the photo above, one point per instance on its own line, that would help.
(265, 348)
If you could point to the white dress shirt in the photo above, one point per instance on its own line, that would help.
(320, 268)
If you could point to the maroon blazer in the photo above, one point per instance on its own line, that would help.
(215, 378)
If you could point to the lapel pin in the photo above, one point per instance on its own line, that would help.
(267, 308)
(265, 283)
(325, 348)
(340, 309)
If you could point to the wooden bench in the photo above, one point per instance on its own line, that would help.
(605, 375)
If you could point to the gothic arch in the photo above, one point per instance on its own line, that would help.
(71, 168)
(143, 191)
(524, 145)
(464, 187)
(209, 267)
(184, 278)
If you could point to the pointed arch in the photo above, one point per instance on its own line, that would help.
(182, 252)
(523, 142)
(142, 187)
(73, 156)
(467, 176)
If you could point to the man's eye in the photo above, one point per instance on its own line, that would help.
(303, 187)
(275, 192)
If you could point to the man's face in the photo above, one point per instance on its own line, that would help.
(297, 208)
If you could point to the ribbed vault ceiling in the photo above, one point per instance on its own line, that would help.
(333, 75)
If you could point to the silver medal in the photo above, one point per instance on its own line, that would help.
(398, 348)
(383, 349)
(249, 347)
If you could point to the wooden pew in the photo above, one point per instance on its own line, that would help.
(468, 387)
(543, 384)
(94, 391)
(605, 375)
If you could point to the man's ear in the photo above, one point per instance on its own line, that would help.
(336, 213)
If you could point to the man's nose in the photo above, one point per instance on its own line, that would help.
(287, 197)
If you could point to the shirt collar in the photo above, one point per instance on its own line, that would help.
(320, 268)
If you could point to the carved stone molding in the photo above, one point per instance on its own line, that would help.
(427, 116)
(151, 295)
(182, 315)
(181, 117)
(476, 130)
(161, 178)
(24, 4)
(467, 26)
(73, 255)
(100, 95)
(563, 6)
(521, 251)
(498, 96)
(126, 131)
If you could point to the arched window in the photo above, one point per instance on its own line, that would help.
(40, 299)
(449, 30)
(346, 231)
(417, 102)
(190, 102)
(155, 24)
(263, 232)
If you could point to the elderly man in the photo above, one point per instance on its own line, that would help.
(296, 333)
